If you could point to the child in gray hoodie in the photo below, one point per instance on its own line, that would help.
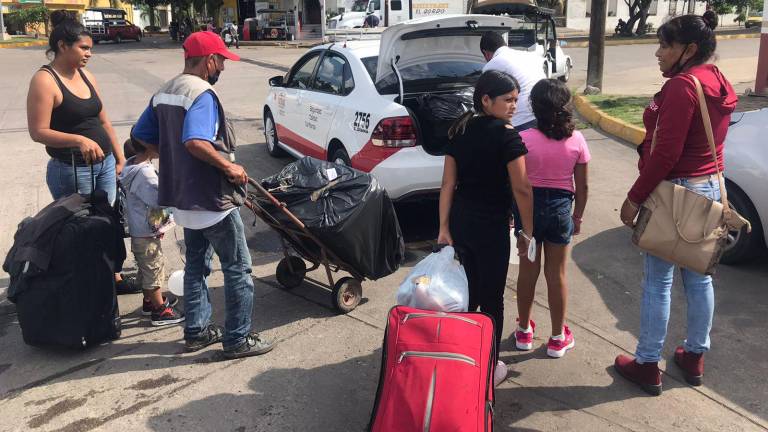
(147, 222)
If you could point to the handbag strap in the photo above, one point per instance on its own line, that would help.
(710, 138)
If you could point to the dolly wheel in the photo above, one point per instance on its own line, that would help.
(287, 278)
(347, 294)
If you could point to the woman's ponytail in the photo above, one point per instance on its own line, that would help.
(460, 125)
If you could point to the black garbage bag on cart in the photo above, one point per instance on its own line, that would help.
(346, 209)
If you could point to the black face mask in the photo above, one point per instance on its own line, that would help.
(678, 67)
(214, 77)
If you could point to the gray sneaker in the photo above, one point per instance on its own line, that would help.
(209, 336)
(254, 345)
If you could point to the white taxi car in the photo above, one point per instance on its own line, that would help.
(746, 168)
(357, 102)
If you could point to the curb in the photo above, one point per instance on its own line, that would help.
(649, 41)
(23, 44)
(610, 125)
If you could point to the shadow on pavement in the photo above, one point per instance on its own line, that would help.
(735, 367)
(516, 404)
(136, 351)
(336, 397)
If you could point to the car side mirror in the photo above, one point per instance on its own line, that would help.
(276, 81)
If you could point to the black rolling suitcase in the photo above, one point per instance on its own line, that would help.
(62, 266)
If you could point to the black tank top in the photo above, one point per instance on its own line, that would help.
(79, 117)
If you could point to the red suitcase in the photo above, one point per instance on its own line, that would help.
(437, 372)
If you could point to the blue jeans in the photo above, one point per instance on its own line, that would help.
(227, 239)
(61, 180)
(657, 286)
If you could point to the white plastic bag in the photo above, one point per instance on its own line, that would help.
(437, 283)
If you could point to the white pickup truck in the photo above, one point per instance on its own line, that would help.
(391, 12)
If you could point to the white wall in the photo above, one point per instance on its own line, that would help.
(577, 14)
(144, 22)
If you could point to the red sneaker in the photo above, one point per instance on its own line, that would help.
(557, 347)
(691, 364)
(524, 340)
(646, 375)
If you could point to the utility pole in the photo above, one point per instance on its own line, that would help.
(596, 52)
(2, 24)
(691, 6)
(322, 20)
(762, 59)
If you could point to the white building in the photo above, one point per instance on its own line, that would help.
(577, 14)
(162, 17)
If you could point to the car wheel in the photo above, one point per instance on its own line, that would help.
(138, 37)
(270, 136)
(341, 157)
(567, 74)
(741, 245)
(118, 39)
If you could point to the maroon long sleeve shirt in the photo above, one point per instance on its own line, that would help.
(682, 149)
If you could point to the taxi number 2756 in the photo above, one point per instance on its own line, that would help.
(362, 122)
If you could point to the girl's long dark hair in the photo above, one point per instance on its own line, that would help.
(551, 104)
(492, 83)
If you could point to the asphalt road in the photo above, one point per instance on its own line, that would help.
(322, 376)
(632, 69)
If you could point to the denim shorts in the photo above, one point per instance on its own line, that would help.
(552, 221)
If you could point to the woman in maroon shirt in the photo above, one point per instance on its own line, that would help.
(681, 155)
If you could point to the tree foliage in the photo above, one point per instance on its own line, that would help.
(32, 16)
(148, 8)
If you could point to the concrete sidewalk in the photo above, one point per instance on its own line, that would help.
(323, 374)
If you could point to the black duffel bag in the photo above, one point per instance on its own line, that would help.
(346, 209)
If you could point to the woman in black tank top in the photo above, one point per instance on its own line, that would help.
(65, 113)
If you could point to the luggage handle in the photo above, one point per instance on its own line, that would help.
(74, 175)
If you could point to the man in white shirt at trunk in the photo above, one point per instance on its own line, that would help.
(523, 66)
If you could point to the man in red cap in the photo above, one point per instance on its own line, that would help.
(200, 180)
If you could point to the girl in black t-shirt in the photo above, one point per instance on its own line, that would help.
(483, 161)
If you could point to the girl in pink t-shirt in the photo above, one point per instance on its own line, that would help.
(557, 155)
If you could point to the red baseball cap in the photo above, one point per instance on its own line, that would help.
(203, 43)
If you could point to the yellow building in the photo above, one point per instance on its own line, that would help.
(77, 6)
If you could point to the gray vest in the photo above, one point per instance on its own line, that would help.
(186, 182)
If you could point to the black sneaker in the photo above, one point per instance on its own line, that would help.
(254, 345)
(166, 315)
(210, 336)
(146, 306)
(127, 286)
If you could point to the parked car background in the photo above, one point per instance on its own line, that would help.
(755, 19)
(746, 171)
(367, 103)
(109, 24)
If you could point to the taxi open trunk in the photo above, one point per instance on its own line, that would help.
(430, 66)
